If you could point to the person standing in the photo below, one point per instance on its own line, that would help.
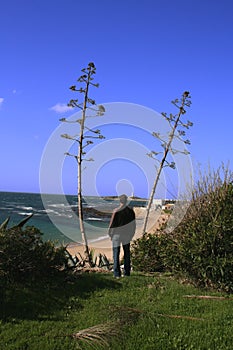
(121, 231)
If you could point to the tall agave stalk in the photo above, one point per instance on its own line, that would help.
(83, 140)
(174, 122)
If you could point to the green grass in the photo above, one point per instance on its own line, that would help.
(141, 311)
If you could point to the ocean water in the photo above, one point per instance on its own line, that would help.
(56, 215)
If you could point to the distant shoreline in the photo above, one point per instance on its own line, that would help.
(75, 194)
(130, 198)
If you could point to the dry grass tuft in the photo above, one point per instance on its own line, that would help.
(97, 336)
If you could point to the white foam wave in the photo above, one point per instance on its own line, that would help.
(24, 214)
(24, 208)
(58, 205)
(93, 219)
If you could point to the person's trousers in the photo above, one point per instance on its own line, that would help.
(116, 244)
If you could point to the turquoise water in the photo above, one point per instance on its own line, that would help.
(55, 215)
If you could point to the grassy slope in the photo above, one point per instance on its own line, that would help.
(41, 318)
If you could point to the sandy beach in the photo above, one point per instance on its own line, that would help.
(104, 246)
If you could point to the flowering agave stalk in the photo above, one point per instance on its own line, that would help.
(174, 122)
(83, 140)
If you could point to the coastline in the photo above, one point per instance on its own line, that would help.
(104, 245)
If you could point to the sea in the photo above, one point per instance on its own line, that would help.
(56, 215)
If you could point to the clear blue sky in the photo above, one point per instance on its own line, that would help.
(146, 52)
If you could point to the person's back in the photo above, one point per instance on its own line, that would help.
(121, 230)
(123, 223)
(123, 216)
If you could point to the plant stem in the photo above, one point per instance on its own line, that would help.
(166, 150)
(80, 150)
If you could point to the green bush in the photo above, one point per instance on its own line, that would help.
(24, 256)
(147, 253)
(204, 239)
(201, 246)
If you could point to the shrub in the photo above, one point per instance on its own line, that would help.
(147, 253)
(201, 246)
(204, 238)
(24, 256)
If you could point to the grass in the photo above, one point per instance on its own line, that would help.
(140, 312)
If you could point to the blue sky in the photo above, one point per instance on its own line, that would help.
(146, 53)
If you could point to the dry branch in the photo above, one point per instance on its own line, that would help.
(206, 297)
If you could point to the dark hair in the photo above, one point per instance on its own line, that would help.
(123, 198)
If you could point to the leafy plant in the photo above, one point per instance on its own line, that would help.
(147, 255)
(201, 246)
(24, 256)
(204, 239)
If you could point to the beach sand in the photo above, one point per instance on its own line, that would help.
(104, 246)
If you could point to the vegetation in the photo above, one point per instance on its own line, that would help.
(200, 247)
(94, 311)
(84, 140)
(175, 122)
(24, 256)
(49, 301)
(148, 253)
